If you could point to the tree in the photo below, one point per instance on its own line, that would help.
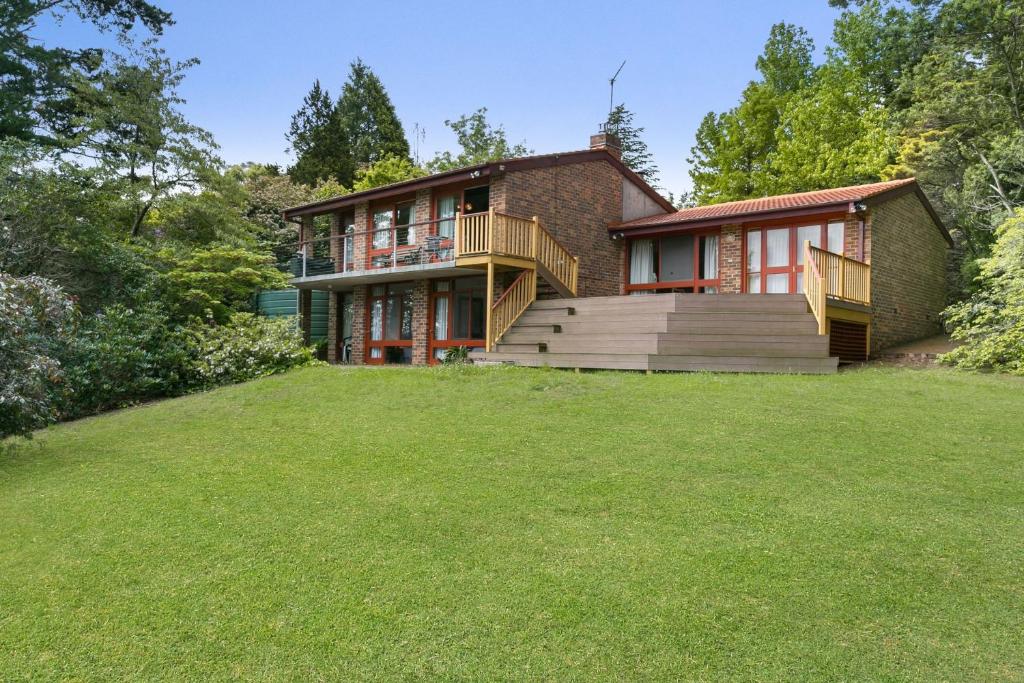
(37, 82)
(480, 143)
(315, 139)
(336, 140)
(990, 324)
(730, 159)
(132, 128)
(635, 154)
(385, 172)
(368, 122)
(36, 317)
(831, 135)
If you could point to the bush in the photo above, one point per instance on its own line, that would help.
(990, 324)
(122, 356)
(35, 317)
(249, 346)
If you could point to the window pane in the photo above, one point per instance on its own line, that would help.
(377, 320)
(809, 232)
(464, 283)
(394, 315)
(754, 252)
(375, 352)
(441, 318)
(407, 315)
(462, 314)
(777, 283)
(441, 285)
(439, 354)
(642, 260)
(836, 233)
(676, 258)
(446, 211)
(478, 320)
(382, 229)
(709, 257)
(778, 247)
(799, 282)
(754, 283)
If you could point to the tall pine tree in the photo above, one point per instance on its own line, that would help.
(635, 154)
(337, 139)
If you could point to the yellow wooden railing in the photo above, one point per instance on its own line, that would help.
(512, 303)
(833, 276)
(502, 235)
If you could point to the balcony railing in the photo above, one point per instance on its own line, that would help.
(414, 244)
(833, 276)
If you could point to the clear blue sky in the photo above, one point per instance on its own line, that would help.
(540, 67)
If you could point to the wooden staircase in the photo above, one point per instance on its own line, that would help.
(723, 333)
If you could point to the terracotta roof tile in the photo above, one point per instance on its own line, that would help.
(782, 202)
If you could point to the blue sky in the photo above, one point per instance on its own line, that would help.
(540, 67)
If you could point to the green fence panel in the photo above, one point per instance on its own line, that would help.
(284, 303)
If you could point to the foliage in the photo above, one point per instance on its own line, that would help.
(732, 155)
(831, 134)
(247, 347)
(129, 124)
(456, 355)
(990, 324)
(213, 283)
(480, 143)
(334, 140)
(36, 89)
(268, 193)
(388, 170)
(36, 317)
(122, 356)
(635, 154)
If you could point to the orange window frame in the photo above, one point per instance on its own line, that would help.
(695, 282)
(793, 267)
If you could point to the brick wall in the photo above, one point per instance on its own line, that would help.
(730, 259)
(575, 203)
(420, 302)
(908, 272)
(359, 294)
(332, 327)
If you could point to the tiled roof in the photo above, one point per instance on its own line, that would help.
(782, 202)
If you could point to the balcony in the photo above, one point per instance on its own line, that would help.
(380, 255)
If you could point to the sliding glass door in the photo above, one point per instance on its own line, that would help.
(774, 260)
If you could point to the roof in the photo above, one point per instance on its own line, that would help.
(782, 206)
(477, 171)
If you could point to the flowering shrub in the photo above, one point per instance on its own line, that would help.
(249, 346)
(121, 356)
(991, 323)
(35, 317)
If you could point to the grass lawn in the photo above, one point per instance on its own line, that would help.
(485, 524)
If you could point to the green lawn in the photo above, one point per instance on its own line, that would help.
(484, 524)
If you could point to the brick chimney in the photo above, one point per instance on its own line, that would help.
(607, 140)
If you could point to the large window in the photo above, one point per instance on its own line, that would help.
(390, 323)
(393, 226)
(459, 314)
(682, 263)
(774, 261)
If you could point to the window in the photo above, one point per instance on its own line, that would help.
(382, 228)
(774, 261)
(459, 312)
(405, 214)
(393, 226)
(390, 324)
(447, 205)
(686, 263)
(476, 199)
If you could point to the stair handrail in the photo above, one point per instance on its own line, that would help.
(558, 260)
(512, 303)
(814, 286)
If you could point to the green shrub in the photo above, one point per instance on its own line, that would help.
(122, 356)
(456, 355)
(249, 346)
(35, 318)
(990, 324)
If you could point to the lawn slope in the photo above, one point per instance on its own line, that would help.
(485, 524)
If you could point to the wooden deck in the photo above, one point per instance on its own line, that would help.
(682, 332)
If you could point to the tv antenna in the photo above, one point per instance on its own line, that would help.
(419, 135)
(611, 82)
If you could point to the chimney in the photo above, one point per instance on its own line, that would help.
(607, 140)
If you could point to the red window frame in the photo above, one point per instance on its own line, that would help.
(451, 342)
(383, 342)
(371, 228)
(793, 267)
(696, 283)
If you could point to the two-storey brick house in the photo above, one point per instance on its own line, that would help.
(538, 260)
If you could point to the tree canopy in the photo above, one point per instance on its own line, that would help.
(479, 142)
(635, 153)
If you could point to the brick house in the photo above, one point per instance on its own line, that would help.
(540, 260)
